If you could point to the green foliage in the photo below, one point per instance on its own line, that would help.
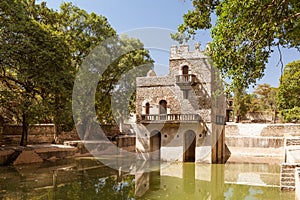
(288, 99)
(41, 51)
(289, 89)
(244, 34)
(241, 101)
(291, 115)
(106, 81)
(265, 97)
(34, 63)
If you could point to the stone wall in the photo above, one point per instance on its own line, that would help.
(255, 142)
(153, 95)
(259, 117)
(297, 182)
(271, 130)
(292, 141)
(37, 134)
(259, 135)
(287, 176)
(172, 141)
(44, 133)
(37, 129)
(152, 89)
(199, 92)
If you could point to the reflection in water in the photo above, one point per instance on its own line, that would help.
(216, 182)
(188, 178)
(82, 179)
(86, 178)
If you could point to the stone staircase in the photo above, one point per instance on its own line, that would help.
(287, 176)
(297, 182)
(288, 169)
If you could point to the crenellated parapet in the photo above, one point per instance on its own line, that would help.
(183, 52)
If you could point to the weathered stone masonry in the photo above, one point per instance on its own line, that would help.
(180, 116)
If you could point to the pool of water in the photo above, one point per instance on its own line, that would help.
(87, 178)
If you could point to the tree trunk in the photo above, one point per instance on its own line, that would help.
(56, 120)
(24, 131)
(237, 118)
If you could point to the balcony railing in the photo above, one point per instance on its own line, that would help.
(169, 117)
(186, 79)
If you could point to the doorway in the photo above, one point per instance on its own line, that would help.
(189, 146)
(155, 144)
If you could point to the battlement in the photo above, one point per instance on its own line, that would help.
(183, 52)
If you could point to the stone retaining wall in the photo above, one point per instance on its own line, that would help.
(260, 135)
(292, 141)
(272, 130)
(37, 134)
(259, 142)
(10, 134)
(36, 129)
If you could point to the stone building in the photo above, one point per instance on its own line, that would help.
(181, 116)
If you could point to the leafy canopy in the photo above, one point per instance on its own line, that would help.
(41, 50)
(244, 33)
(288, 96)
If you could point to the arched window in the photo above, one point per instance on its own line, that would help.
(162, 107)
(147, 108)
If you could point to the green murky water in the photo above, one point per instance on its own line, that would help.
(87, 178)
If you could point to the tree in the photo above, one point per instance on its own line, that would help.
(41, 50)
(81, 32)
(103, 82)
(244, 34)
(33, 61)
(265, 95)
(288, 96)
(241, 104)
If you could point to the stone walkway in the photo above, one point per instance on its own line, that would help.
(34, 153)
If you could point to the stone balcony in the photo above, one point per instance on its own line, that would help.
(172, 118)
(186, 80)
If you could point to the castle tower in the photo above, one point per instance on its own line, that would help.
(181, 116)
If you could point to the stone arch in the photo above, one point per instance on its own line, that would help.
(186, 66)
(189, 146)
(163, 107)
(155, 144)
(145, 101)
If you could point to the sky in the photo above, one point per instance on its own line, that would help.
(152, 21)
